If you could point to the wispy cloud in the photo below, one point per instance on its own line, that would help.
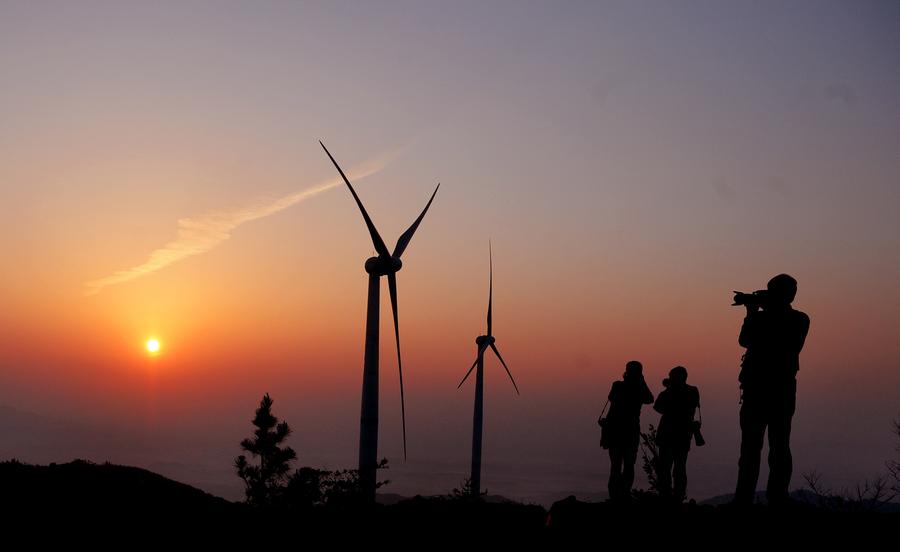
(201, 233)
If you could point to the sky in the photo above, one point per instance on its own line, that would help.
(632, 163)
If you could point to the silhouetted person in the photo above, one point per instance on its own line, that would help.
(773, 337)
(623, 424)
(677, 403)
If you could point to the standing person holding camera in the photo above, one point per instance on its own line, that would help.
(622, 428)
(773, 334)
(677, 403)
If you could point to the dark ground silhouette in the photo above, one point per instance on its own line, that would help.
(101, 487)
(106, 499)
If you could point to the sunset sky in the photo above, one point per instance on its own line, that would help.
(632, 163)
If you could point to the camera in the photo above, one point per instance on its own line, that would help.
(698, 437)
(758, 298)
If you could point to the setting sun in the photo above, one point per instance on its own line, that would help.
(152, 346)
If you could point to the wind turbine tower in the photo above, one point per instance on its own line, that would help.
(483, 342)
(387, 264)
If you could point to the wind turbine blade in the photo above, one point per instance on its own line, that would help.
(376, 238)
(490, 287)
(404, 239)
(392, 286)
(494, 347)
(467, 373)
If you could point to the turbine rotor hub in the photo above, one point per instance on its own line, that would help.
(382, 266)
(484, 340)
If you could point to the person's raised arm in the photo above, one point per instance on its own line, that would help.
(647, 395)
(749, 330)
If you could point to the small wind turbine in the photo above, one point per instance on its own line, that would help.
(483, 342)
(383, 264)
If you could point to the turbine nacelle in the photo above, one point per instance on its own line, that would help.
(484, 340)
(382, 266)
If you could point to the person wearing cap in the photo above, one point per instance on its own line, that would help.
(677, 403)
(773, 337)
(623, 425)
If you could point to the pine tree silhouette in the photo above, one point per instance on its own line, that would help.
(266, 481)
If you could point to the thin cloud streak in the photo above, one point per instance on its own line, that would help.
(202, 233)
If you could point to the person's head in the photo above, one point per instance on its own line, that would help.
(782, 289)
(633, 370)
(677, 376)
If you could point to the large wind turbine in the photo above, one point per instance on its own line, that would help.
(384, 264)
(483, 342)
